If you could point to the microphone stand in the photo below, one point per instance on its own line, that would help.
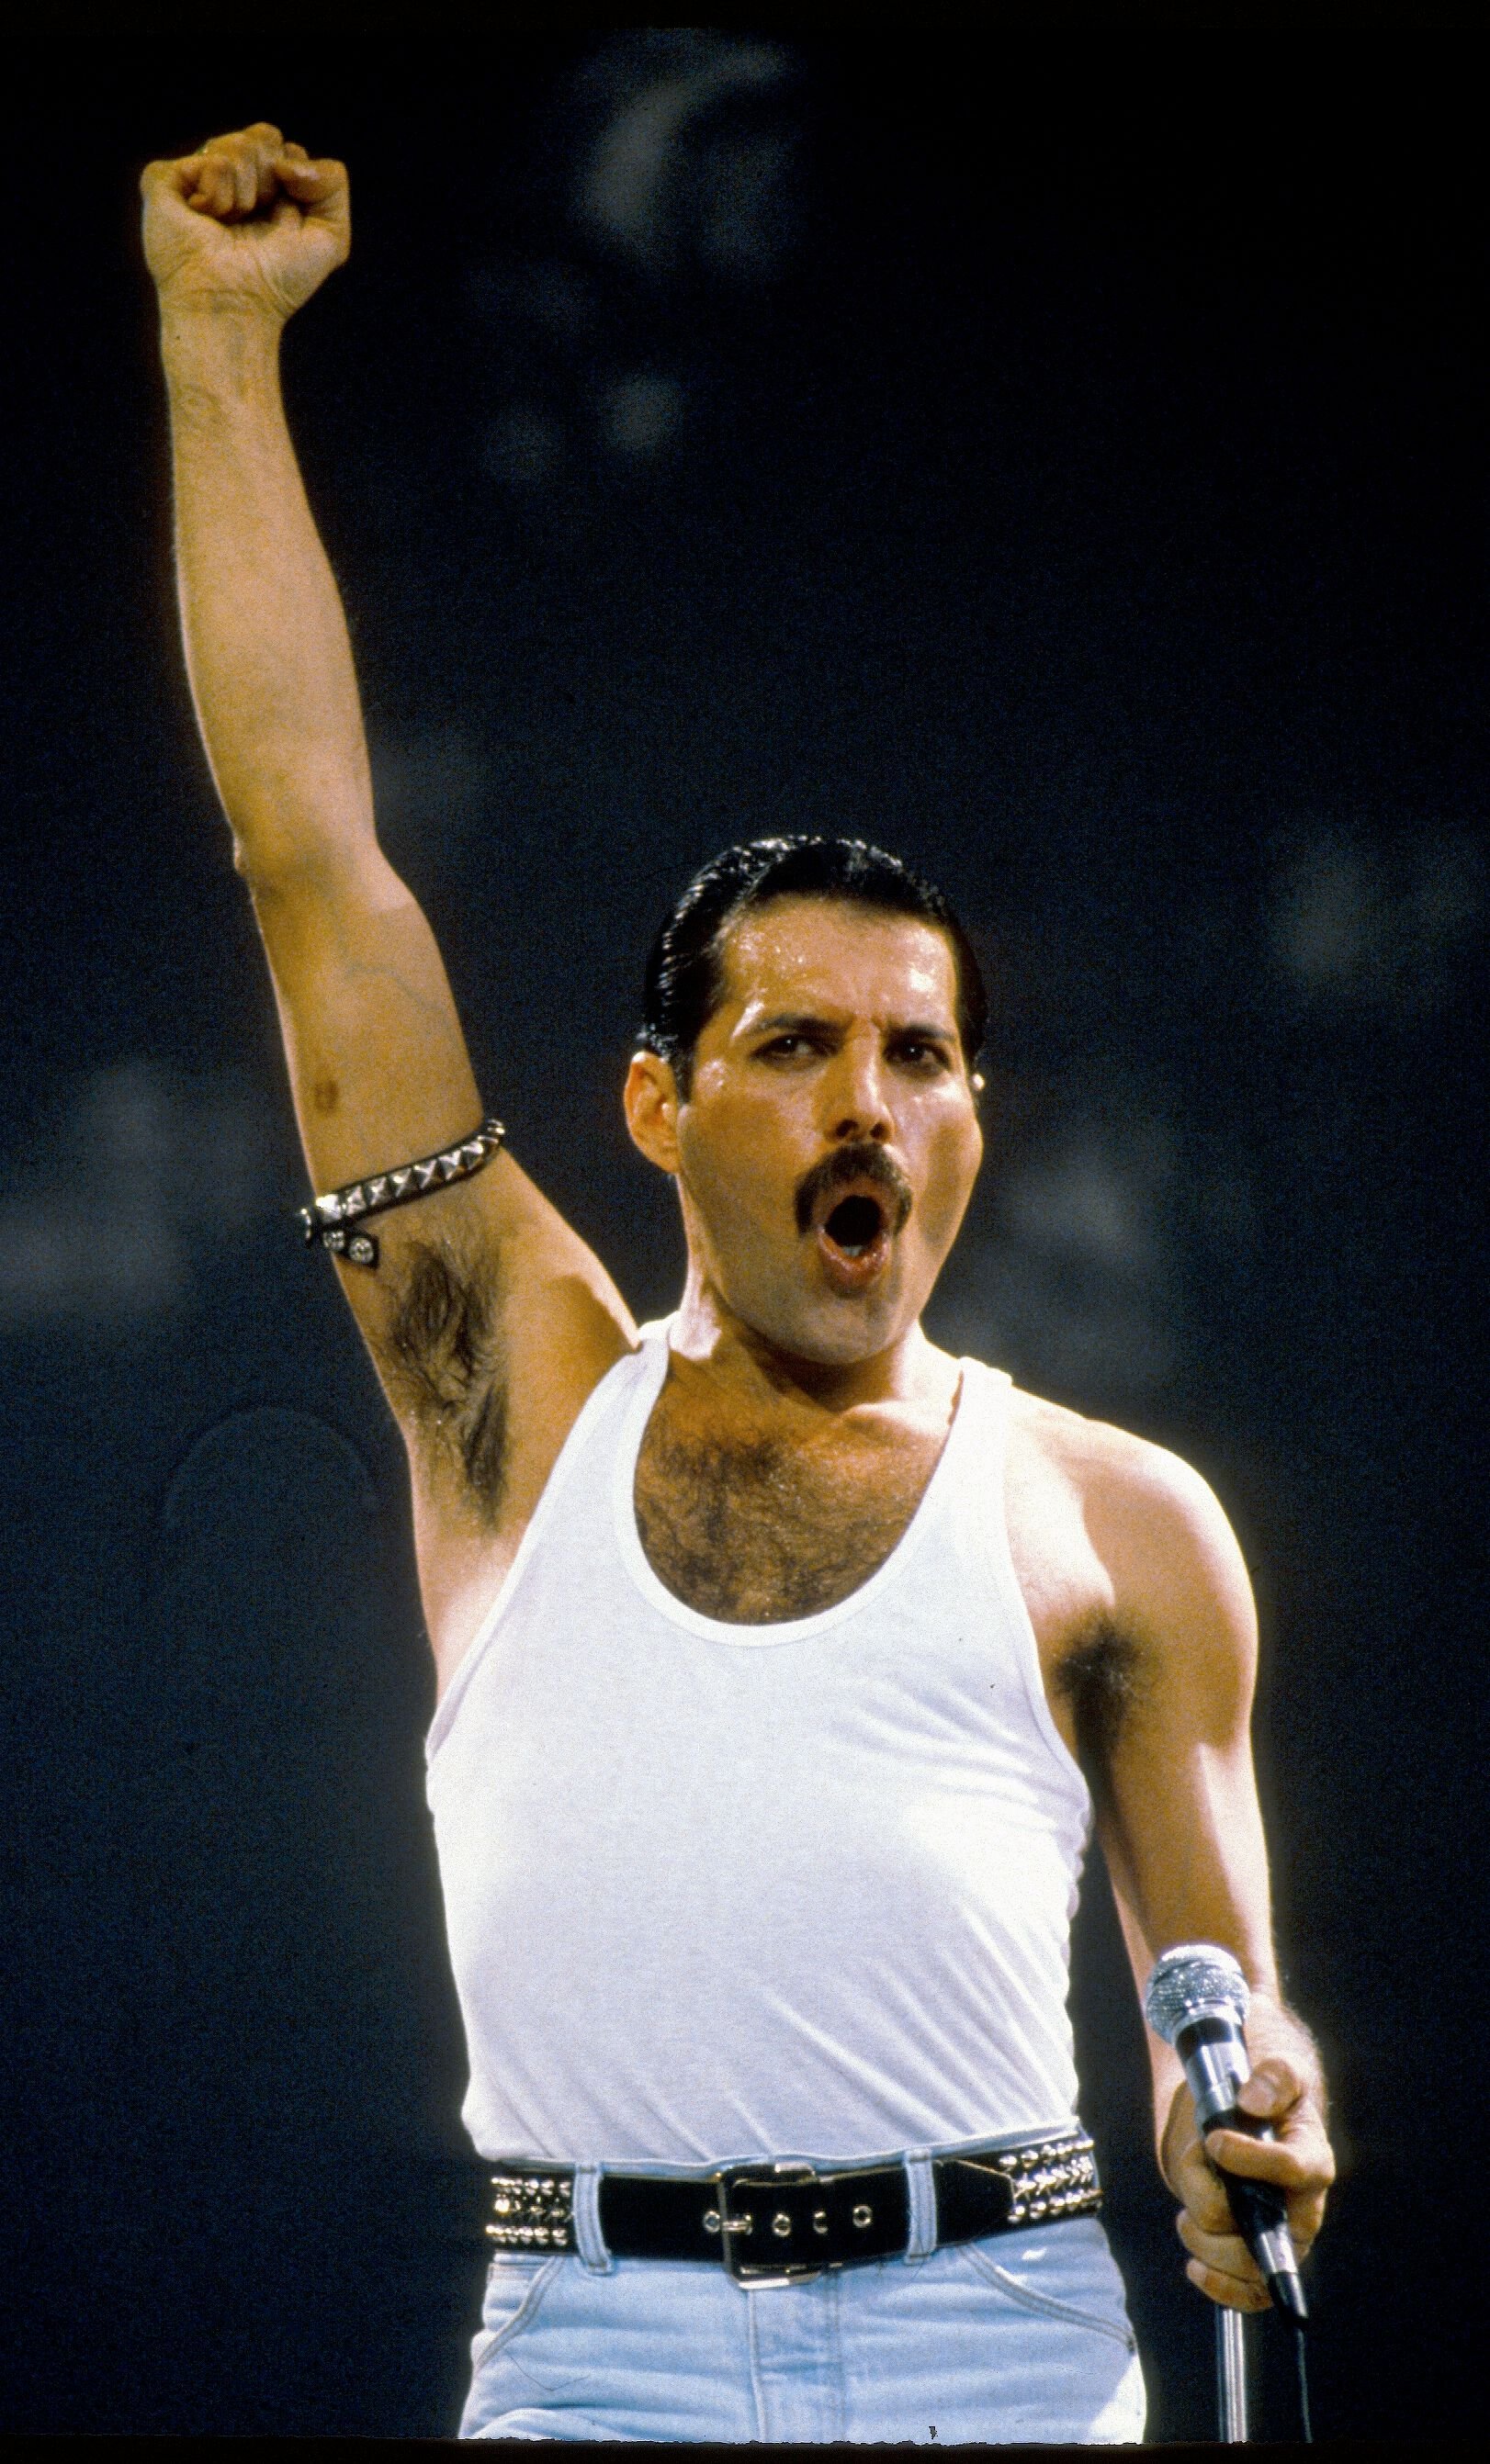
(1230, 2375)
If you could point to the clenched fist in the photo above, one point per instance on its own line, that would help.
(248, 221)
(1297, 2160)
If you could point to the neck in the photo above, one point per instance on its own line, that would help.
(708, 1334)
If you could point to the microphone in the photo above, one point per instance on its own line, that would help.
(1196, 2000)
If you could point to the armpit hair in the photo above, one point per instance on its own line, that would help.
(1103, 1677)
(442, 1348)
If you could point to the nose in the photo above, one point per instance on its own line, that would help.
(857, 1107)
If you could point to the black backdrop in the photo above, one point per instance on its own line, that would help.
(1061, 458)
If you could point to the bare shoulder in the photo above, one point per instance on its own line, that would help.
(1110, 1469)
(1170, 1564)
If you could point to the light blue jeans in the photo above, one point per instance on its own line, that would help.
(1021, 2338)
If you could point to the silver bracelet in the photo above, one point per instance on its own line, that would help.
(328, 1220)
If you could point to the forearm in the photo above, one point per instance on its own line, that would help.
(266, 643)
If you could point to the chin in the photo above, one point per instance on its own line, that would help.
(832, 1334)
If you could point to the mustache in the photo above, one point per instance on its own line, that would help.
(861, 1162)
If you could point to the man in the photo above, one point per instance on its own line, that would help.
(776, 1649)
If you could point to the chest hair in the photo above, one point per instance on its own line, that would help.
(751, 1527)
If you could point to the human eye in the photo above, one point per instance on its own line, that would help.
(922, 1053)
(789, 1044)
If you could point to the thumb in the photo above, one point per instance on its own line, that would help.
(1272, 2088)
(307, 181)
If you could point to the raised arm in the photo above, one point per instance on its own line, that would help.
(1182, 1832)
(488, 1318)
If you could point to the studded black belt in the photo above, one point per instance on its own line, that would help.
(775, 2222)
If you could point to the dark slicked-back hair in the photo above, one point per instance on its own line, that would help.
(685, 971)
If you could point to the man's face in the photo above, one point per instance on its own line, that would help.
(829, 1140)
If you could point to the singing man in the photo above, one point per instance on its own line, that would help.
(785, 1662)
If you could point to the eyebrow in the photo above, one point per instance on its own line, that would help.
(800, 1019)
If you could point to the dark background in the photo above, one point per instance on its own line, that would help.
(1059, 457)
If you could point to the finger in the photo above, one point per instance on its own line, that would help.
(1198, 2186)
(1305, 2213)
(262, 147)
(1226, 2253)
(1226, 2289)
(216, 176)
(237, 165)
(1208, 2203)
(1300, 2163)
(176, 178)
(252, 178)
(216, 191)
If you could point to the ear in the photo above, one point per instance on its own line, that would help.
(652, 1104)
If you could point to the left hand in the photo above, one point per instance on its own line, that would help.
(1298, 2159)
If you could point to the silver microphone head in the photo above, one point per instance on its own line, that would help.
(1194, 1981)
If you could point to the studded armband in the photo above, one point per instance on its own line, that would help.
(331, 1221)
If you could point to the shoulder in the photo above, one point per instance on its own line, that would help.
(1111, 1471)
(1172, 1561)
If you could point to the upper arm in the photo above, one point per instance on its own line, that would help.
(488, 1319)
(1177, 1801)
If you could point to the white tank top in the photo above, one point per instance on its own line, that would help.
(722, 1891)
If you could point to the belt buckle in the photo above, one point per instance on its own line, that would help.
(739, 2221)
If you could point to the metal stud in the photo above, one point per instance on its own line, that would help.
(781, 2224)
(711, 2220)
(863, 2216)
(819, 2220)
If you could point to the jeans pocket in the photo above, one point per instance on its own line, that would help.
(516, 2284)
(1080, 2287)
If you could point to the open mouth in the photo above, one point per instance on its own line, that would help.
(855, 1225)
(852, 1205)
(856, 1240)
